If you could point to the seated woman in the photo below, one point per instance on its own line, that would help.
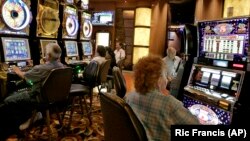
(100, 54)
(156, 109)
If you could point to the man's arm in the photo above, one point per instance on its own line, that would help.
(18, 71)
(123, 54)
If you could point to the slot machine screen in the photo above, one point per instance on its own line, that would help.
(205, 77)
(87, 48)
(71, 48)
(225, 82)
(15, 49)
(224, 39)
(43, 44)
(215, 79)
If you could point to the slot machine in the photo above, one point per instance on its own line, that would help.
(69, 31)
(86, 30)
(15, 47)
(183, 39)
(46, 25)
(217, 87)
(69, 38)
(84, 43)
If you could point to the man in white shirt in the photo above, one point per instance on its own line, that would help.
(172, 61)
(119, 52)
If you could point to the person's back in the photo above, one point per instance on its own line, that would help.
(110, 55)
(100, 54)
(156, 110)
(38, 73)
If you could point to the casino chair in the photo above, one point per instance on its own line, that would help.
(79, 91)
(54, 92)
(120, 82)
(120, 122)
(120, 64)
(103, 75)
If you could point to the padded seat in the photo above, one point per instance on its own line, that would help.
(80, 91)
(120, 82)
(76, 88)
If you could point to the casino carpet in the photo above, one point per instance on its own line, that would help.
(80, 129)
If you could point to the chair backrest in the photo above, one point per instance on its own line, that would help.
(120, 82)
(103, 71)
(120, 63)
(90, 73)
(57, 85)
(120, 122)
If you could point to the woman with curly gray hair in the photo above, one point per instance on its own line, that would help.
(156, 111)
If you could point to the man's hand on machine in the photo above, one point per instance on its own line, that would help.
(18, 71)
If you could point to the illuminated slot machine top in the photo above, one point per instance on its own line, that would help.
(16, 52)
(217, 76)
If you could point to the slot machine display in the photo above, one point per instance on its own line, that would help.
(69, 30)
(69, 38)
(216, 90)
(86, 30)
(14, 34)
(71, 52)
(46, 26)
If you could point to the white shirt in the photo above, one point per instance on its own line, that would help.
(119, 55)
(172, 65)
(99, 59)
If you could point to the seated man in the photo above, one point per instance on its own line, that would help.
(119, 55)
(17, 108)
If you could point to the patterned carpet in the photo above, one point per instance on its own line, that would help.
(80, 129)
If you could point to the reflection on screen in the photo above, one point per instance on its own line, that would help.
(205, 77)
(71, 48)
(16, 49)
(44, 43)
(215, 79)
(225, 82)
(87, 48)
